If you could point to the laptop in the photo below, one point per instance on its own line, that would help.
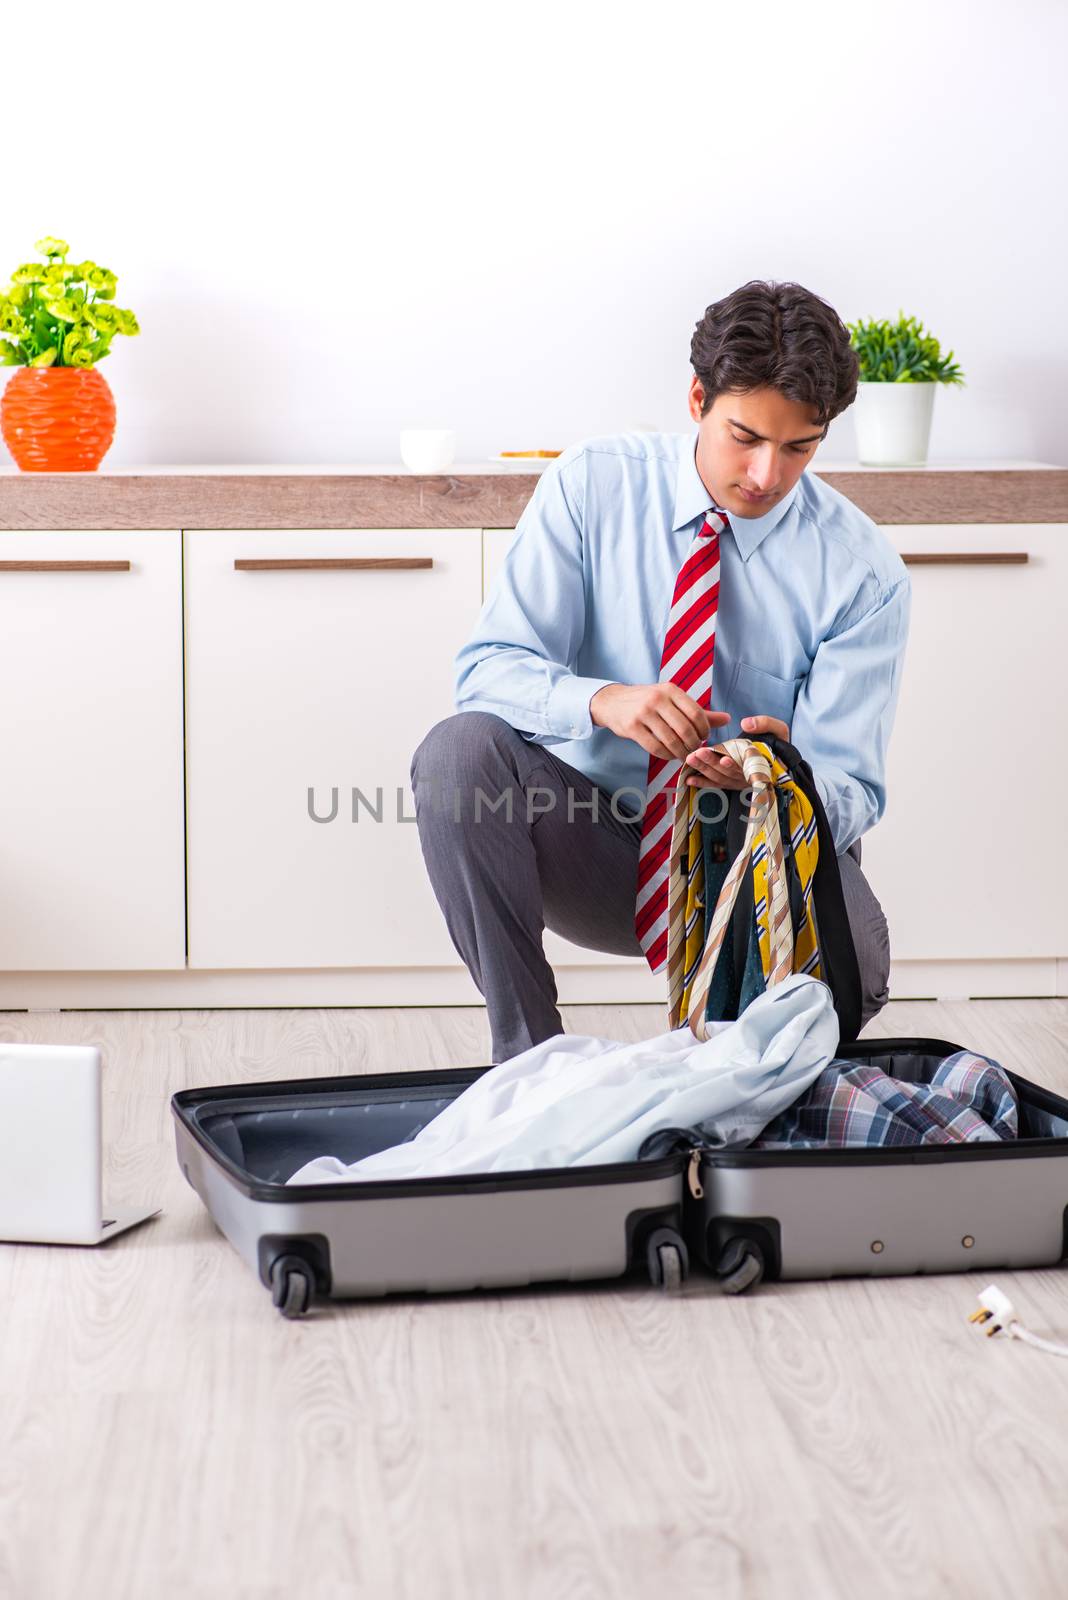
(50, 1148)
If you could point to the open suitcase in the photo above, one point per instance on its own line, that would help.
(238, 1145)
(745, 1215)
(812, 1213)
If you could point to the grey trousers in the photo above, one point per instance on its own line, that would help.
(512, 846)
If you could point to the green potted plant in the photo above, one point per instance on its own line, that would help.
(900, 365)
(57, 320)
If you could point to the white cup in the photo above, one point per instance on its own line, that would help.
(427, 449)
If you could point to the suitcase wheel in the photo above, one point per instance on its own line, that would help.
(292, 1285)
(740, 1266)
(667, 1260)
(670, 1267)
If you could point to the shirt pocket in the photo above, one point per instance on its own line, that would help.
(755, 693)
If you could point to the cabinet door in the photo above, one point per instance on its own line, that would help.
(561, 952)
(304, 686)
(962, 861)
(91, 825)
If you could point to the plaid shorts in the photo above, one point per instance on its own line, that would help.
(854, 1103)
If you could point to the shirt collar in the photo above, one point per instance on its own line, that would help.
(692, 500)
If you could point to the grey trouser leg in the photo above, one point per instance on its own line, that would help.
(871, 935)
(500, 882)
(512, 847)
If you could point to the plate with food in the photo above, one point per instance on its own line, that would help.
(525, 460)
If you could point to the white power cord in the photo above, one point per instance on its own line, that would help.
(998, 1310)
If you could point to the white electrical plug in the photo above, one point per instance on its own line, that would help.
(996, 1309)
(997, 1314)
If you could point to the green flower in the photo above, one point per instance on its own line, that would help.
(63, 309)
(103, 282)
(103, 316)
(75, 339)
(10, 321)
(60, 312)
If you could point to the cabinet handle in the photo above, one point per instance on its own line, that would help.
(334, 564)
(64, 566)
(976, 558)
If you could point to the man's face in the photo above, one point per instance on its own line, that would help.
(758, 441)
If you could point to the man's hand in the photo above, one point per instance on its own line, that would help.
(661, 717)
(722, 772)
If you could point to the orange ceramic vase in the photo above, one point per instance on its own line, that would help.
(57, 419)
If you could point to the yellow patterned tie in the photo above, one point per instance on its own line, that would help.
(782, 950)
(682, 962)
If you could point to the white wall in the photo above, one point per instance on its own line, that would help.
(335, 221)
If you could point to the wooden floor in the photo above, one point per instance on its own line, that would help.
(163, 1432)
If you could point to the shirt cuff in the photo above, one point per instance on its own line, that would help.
(567, 711)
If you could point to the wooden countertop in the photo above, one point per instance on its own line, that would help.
(477, 497)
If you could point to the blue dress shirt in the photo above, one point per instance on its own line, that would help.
(811, 627)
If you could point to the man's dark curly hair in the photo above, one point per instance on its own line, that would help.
(776, 336)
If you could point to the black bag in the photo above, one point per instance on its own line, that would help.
(738, 975)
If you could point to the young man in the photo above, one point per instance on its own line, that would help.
(664, 592)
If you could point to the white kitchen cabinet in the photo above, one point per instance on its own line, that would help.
(91, 825)
(319, 680)
(326, 679)
(561, 952)
(962, 860)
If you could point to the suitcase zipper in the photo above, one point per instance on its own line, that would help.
(691, 1175)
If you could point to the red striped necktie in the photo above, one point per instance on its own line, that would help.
(689, 647)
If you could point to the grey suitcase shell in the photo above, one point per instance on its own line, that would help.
(803, 1213)
(238, 1144)
(745, 1215)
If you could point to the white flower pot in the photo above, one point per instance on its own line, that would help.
(893, 423)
